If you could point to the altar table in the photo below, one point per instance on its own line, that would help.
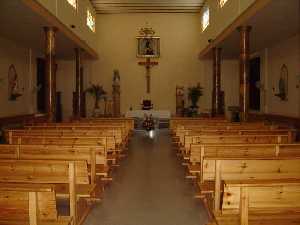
(158, 114)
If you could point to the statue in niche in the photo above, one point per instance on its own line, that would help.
(116, 94)
(116, 77)
(13, 84)
(283, 83)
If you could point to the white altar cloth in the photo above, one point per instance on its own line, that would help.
(159, 114)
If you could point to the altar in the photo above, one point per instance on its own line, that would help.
(156, 114)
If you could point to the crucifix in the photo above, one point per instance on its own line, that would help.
(148, 65)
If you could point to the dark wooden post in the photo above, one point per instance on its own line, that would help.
(78, 93)
(50, 80)
(216, 91)
(244, 71)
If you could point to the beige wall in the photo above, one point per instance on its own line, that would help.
(178, 64)
(24, 62)
(286, 52)
(65, 84)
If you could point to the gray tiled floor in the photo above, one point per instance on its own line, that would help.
(149, 188)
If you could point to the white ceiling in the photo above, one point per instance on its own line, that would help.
(147, 6)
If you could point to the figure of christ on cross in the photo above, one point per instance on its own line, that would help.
(148, 64)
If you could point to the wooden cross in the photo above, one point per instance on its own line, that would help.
(148, 64)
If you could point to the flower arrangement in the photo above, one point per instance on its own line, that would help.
(194, 94)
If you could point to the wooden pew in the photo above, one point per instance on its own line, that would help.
(113, 153)
(200, 151)
(107, 142)
(29, 205)
(80, 127)
(226, 126)
(182, 133)
(217, 169)
(231, 139)
(74, 126)
(120, 141)
(267, 202)
(230, 128)
(90, 129)
(128, 121)
(95, 156)
(69, 178)
(174, 122)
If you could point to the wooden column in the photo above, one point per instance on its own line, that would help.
(244, 71)
(50, 89)
(78, 93)
(216, 91)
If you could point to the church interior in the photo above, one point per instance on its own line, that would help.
(143, 112)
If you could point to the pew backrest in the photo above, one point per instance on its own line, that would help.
(250, 168)
(233, 139)
(42, 171)
(107, 142)
(199, 151)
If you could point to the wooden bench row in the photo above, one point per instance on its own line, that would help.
(236, 166)
(220, 175)
(177, 121)
(95, 156)
(46, 162)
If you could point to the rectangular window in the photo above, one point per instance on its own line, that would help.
(90, 22)
(73, 3)
(205, 18)
(222, 3)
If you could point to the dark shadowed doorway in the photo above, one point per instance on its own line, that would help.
(254, 95)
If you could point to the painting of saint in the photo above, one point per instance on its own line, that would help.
(148, 47)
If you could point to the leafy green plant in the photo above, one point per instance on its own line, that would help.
(97, 92)
(194, 94)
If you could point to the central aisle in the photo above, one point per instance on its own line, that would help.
(149, 188)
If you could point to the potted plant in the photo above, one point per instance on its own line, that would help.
(97, 92)
(194, 94)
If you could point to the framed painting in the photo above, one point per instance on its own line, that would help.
(148, 47)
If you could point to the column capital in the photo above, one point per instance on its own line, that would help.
(217, 48)
(50, 29)
(244, 28)
(79, 50)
